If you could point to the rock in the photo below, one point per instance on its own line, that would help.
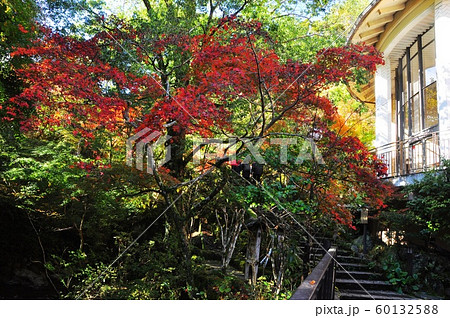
(24, 276)
(357, 244)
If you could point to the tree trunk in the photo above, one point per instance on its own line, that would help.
(252, 257)
(278, 260)
(229, 233)
(182, 234)
(179, 217)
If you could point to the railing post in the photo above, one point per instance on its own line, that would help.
(306, 259)
(424, 154)
(403, 156)
(320, 283)
(333, 276)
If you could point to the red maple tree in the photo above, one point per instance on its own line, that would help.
(235, 85)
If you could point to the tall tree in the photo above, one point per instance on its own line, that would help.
(177, 68)
(234, 85)
(16, 28)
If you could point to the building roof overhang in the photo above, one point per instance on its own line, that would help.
(368, 29)
(372, 22)
(391, 26)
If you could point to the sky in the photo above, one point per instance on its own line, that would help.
(118, 7)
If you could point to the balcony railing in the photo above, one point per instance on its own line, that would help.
(414, 155)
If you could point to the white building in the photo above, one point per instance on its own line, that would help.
(412, 90)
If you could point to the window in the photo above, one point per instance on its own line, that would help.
(429, 89)
(416, 97)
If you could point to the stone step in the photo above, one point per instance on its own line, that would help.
(349, 259)
(357, 274)
(348, 283)
(350, 266)
(316, 256)
(317, 250)
(344, 252)
(362, 282)
(341, 259)
(350, 294)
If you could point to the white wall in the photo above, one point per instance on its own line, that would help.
(442, 30)
(383, 127)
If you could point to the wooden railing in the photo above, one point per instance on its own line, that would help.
(320, 283)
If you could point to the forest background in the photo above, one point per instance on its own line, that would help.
(79, 78)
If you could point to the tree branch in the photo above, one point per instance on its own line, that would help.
(148, 5)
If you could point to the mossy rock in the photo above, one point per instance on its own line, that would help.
(357, 244)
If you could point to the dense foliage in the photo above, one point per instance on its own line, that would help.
(107, 230)
(416, 219)
(422, 206)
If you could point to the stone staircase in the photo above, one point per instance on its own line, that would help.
(355, 280)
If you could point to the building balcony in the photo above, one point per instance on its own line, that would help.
(406, 160)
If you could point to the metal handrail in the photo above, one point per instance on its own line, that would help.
(413, 155)
(320, 283)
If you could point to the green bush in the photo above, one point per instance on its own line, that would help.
(429, 205)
